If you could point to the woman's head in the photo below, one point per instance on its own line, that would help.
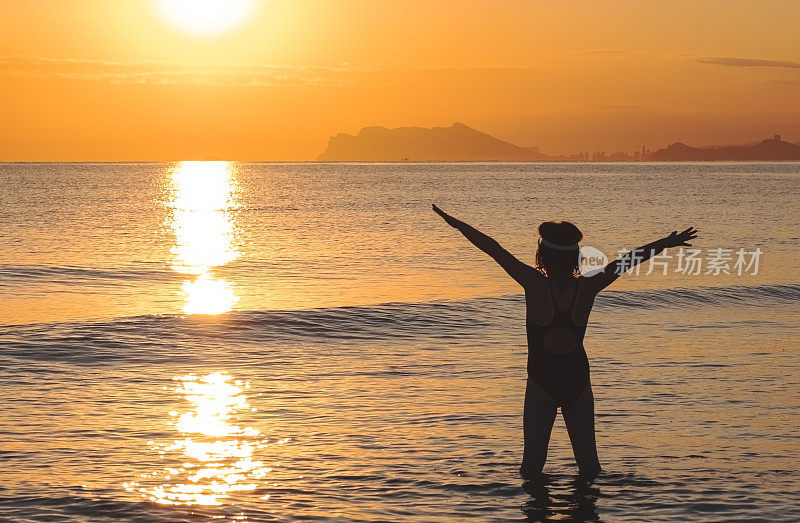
(558, 253)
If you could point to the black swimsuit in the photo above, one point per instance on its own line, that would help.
(563, 375)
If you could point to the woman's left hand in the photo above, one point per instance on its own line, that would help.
(676, 239)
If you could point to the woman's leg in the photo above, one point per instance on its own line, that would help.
(537, 423)
(579, 418)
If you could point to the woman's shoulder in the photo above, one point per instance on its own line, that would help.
(534, 278)
(537, 274)
(588, 284)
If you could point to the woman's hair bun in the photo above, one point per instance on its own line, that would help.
(560, 233)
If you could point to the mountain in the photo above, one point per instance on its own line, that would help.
(771, 149)
(458, 142)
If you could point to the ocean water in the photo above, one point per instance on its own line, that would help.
(283, 342)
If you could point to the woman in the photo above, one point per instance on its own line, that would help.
(558, 301)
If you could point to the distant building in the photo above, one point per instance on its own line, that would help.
(620, 157)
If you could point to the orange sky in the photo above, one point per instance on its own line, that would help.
(112, 80)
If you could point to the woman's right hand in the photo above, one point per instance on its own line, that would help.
(452, 222)
(676, 239)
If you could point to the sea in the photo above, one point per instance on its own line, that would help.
(197, 341)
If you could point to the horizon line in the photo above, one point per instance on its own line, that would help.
(385, 162)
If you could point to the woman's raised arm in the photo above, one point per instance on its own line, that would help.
(515, 268)
(639, 255)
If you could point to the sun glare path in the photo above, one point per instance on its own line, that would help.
(206, 17)
(214, 457)
(202, 204)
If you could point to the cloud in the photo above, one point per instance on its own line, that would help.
(241, 75)
(748, 62)
(601, 52)
(161, 73)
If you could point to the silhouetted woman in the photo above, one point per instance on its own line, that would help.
(558, 302)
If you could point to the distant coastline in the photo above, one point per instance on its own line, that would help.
(461, 143)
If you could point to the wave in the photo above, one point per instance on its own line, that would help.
(25, 275)
(165, 336)
(64, 504)
(110, 341)
(13, 275)
(701, 296)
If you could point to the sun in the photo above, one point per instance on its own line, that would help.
(206, 17)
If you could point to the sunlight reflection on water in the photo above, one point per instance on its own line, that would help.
(214, 456)
(203, 198)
